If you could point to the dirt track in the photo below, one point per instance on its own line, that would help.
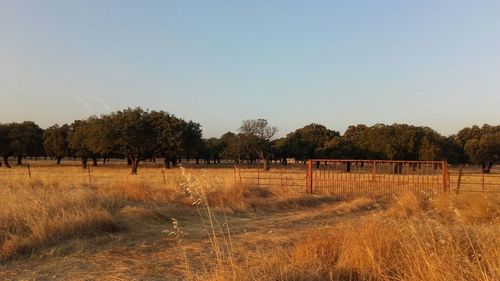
(141, 251)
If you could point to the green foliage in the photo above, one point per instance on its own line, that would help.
(192, 140)
(5, 147)
(308, 142)
(55, 141)
(484, 149)
(139, 134)
(26, 139)
(77, 139)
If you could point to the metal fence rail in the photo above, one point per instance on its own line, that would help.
(277, 177)
(472, 181)
(321, 176)
(375, 177)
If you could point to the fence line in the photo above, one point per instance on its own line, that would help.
(281, 177)
(375, 177)
(365, 177)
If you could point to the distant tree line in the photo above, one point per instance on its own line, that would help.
(138, 135)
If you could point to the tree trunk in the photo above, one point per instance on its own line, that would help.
(19, 160)
(6, 161)
(173, 160)
(490, 165)
(398, 168)
(129, 161)
(59, 160)
(348, 167)
(135, 165)
(0, 163)
(94, 162)
(267, 164)
(84, 162)
(486, 167)
(167, 163)
(197, 161)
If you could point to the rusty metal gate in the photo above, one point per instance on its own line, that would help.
(348, 178)
(276, 177)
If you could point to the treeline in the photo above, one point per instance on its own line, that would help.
(139, 135)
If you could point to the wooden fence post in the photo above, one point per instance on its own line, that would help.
(29, 170)
(258, 177)
(482, 182)
(163, 175)
(239, 174)
(88, 171)
(459, 179)
(281, 177)
(445, 176)
(309, 184)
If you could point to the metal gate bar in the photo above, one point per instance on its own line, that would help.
(375, 177)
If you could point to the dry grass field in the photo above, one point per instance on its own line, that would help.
(202, 224)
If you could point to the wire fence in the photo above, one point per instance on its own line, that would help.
(281, 177)
(339, 177)
(464, 180)
(348, 178)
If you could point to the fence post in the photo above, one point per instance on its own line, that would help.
(239, 174)
(258, 177)
(281, 177)
(29, 170)
(482, 182)
(163, 174)
(88, 171)
(235, 174)
(374, 169)
(459, 179)
(445, 176)
(309, 177)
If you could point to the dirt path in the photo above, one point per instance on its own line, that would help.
(143, 252)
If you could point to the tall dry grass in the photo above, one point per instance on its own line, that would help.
(44, 211)
(33, 216)
(414, 238)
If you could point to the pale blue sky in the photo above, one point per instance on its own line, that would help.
(433, 63)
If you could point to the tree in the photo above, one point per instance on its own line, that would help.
(192, 142)
(77, 141)
(26, 139)
(305, 142)
(55, 142)
(258, 135)
(99, 137)
(231, 147)
(169, 132)
(484, 150)
(5, 147)
(281, 150)
(214, 149)
(452, 151)
(137, 135)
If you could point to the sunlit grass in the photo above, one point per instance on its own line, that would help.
(223, 229)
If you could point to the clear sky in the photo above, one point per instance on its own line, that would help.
(433, 63)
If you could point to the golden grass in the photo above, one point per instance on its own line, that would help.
(35, 216)
(414, 238)
(231, 231)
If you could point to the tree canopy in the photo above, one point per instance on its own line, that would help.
(139, 135)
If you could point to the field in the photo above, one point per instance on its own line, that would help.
(67, 223)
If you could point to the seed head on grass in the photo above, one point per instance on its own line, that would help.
(176, 232)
